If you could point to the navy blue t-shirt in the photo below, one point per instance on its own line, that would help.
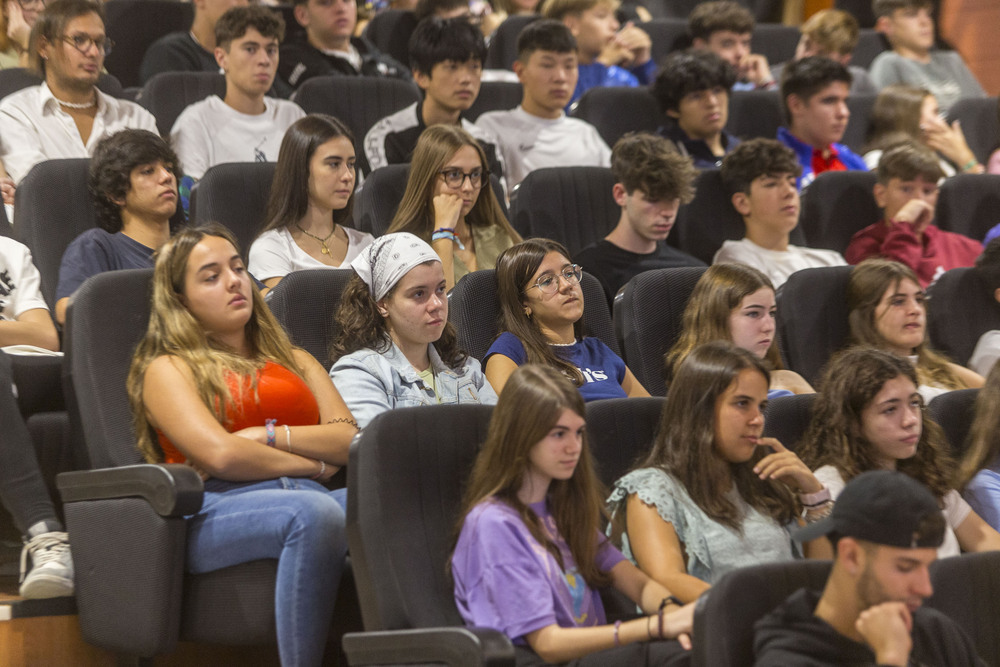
(96, 251)
(603, 370)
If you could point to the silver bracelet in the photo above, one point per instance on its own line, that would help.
(288, 438)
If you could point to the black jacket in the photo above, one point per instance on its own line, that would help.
(299, 60)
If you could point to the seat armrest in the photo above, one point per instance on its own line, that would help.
(451, 645)
(172, 490)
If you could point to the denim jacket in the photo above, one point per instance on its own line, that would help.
(372, 382)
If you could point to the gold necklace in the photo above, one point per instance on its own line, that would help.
(325, 250)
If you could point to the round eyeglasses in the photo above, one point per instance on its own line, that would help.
(549, 283)
(82, 43)
(454, 177)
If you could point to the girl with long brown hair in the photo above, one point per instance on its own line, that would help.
(449, 203)
(215, 383)
(530, 556)
(869, 415)
(979, 471)
(887, 310)
(311, 198)
(541, 306)
(713, 494)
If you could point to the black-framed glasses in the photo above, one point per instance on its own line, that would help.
(549, 283)
(82, 42)
(454, 177)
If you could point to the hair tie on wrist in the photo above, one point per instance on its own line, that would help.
(322, 469)
(618, 624)
(269, 428)
(447, 233)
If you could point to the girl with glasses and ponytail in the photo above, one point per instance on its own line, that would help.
(541, 305)
(449, 203)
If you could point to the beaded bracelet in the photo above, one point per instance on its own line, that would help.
(269, 428)
(447, 233)
(971, 164)
(322, 469)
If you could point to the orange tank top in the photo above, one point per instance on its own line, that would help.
(280, 395)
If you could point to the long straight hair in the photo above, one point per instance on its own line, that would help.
(174, 331)
(531, 403)
(437, 145)
(515, 267)
(719, 291)
(289, 200)
(983, 444)
(895, 116)
(685, 446)
(850, 383)
(868, 283)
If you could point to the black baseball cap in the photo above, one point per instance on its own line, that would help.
(883, 507)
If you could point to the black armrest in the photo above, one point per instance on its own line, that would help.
(172, 490)
(456, 646)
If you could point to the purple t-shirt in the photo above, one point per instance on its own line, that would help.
(506, 580)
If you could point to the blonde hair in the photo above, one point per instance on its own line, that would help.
(174, 331)
(832, 30)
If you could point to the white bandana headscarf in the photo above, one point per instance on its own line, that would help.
(389, 258)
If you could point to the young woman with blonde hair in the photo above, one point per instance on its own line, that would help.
(541, 306)
(869, 415)
(529, 554)
(714, 495)
(311, 198)
(450, 204)
(735, 302)
(215, 383)
(887, 310)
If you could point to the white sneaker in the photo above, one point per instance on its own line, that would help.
(51, 574)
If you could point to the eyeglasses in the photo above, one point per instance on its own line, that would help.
(454, 177)
(549, 282)
(82, 43)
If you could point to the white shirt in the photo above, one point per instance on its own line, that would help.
(776, 264)
(20, 282)
(529, 142)
(211, 132)
(956, 510)
(34, 128)
(986, 353)
(275, 253)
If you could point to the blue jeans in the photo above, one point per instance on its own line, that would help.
(297, 521)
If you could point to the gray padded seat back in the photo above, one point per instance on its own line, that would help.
(724, 619)
(967, 590)
(572, 205)
(870, 44)
(788, 417)
(52, 206)
(775, 41)
(474, 309)
(812, 318)
(616, 110)
(755, 113)
(969, 204)
(954, 412)
(405, 490)
(856, 133)
(359, 101)
(837, 205)
(134, 25)
(167, 94)
(390, 31)
(494, 96)
(648, 314)
(980, 124)
(107, 318)
(234, 194)
(620, 432)
(960, 309)
(305, 303)
(667, 35)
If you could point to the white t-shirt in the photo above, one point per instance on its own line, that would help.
(955, 509)
(776, 264)
(34, 128)
(211, 132)
(529, 142)
(20, 282)
(986, 353)
(275, 253)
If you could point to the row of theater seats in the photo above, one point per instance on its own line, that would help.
(572, 205)
(126, 520)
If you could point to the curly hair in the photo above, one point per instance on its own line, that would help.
(237, 20)
(115, 158)
(685, 445)
(691, 71)
(851, 381)
(755, 158)
(531, 403)
(361, 326)
(650, 164)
